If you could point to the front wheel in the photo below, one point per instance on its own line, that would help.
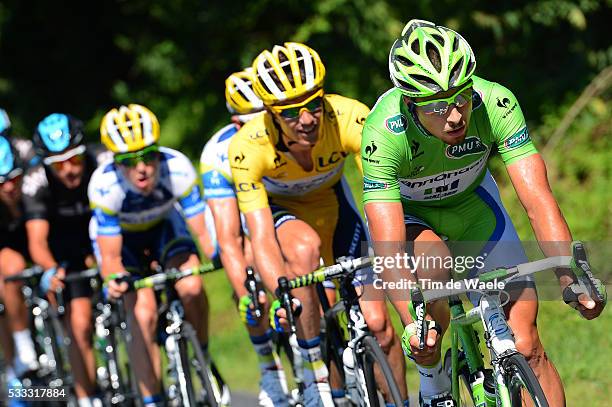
(209, 382)
(373, 356)
(521, 382)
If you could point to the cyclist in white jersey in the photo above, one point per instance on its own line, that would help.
(231, 246)
(143, 202)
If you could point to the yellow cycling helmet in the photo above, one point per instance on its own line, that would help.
(239, 94)
(129, 128)
(287, 72)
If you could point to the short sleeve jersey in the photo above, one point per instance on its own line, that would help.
(66, 210)
(118, 205)
(262, 166)
(214, 165)
(403, 162)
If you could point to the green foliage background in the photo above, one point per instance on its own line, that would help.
(84, 57)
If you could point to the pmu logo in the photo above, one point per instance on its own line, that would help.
(520, 138)
(333, 158)
(396, 124)
(471, 145)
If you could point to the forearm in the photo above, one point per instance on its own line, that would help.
(111, 265)
(232, 258)
(268, 260)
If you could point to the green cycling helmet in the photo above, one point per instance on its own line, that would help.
(428, 59)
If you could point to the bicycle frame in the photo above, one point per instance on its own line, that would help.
(500, 342)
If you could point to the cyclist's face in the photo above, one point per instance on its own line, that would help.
(303, 129)
(143, 175)
(450, 127)
(70, 171)
(10, 191)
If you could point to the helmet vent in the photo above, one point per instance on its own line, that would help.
(455, 44)
(438, 38)
(268, 68)
(455, 71)
(470, 66)
(406, 86)
(403, 60)
(424, 80)
(415, 46)
(434, 56)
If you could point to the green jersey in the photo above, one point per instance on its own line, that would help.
(403, 162)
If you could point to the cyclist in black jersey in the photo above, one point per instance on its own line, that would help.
(57, 217)
(15, 337)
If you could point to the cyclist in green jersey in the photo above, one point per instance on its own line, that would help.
(424, 150)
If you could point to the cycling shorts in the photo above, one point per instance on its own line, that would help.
(16, 240)
(337, 221)
(477, 226)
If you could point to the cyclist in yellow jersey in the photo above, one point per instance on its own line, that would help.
(287, 166)
(231, 246)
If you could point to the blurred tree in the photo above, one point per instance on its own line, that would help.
(84, 57)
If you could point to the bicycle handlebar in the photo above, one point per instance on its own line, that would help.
(27, 274)
(339, 270)
(82, 275)
(160, 279)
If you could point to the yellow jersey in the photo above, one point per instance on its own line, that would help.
(263, 168)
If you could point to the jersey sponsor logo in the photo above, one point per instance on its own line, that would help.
(300, 186)
(518, 139)
(34, 181)
(237, 160)
(247, 186)
(504, 103)
(372, 185)
(334, 157)
(278, 161)
(368, 151)
(443, 184)
(396, 124)
(360, 120)
(469, 146)
(259, 134)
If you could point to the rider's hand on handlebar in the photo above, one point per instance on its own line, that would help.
(116, 288)
(246, 308)
(585, 304)
(278, 315)
(52, 279)
(410, 343)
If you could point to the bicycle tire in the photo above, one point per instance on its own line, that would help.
(373, 354)
(183, 374)
(53, 332)
(127, 392)
(519, 375)
(214, 389)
